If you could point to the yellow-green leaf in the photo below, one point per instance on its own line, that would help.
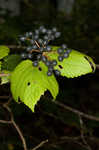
(28, 83)
(4, 51)
(75, 65)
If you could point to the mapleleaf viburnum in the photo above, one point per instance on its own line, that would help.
(41, 62)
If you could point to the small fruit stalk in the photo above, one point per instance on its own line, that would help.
(37, 48)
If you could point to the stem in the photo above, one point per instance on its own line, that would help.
(4, 75)
(97, 66)
(90, 117)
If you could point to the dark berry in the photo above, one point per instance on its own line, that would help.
(64, 46)
(54, 62)
(23, 55)
(22, 39)
(57, 34)
(28, 49)
(49, 32)
(43, 30)
(49, 73)
(36, 32)
(41, 49)
(35, 63)
(44, 59)
(60, 58)
(68, 50)
(45, 37)
(54, 29)
(32, 42)
(35, 37)
(60, 51)
(34, 47)
(57, 72)
(50, 68)
(41, 27)
(52, 37)
(40, 41)
(39, 56)
(65, 55)
(48, 63)
(48, 48)
(28, 34)
(29, 56)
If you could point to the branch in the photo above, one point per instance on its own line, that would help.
(11, 121)
(40, 145)
(4, 74)
(82, 134)
(97, 66)
(90, 117)
(5, 121)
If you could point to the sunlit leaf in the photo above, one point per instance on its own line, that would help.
(6, 78)
(28, 83)
(75, 65)
(4, 50)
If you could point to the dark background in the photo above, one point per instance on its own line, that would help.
(78, 21)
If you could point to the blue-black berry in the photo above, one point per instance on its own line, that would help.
(50, 68)
(68, 50)
(40, 41)
(39, 56)
(54, 29)
(28, 49)
(47, 63)
(43, 30)
(65, 55)
(23, 55)
(29, 56)
(36, 32)
(44, 59)
(60, 58)
(49, 73)
(64, 46)
(57, 72)
(60, 51)
(41, 49)
(32, 41)
(35, 63)
(22, 39)
(54, 62)
(48, 48)
(57, 34)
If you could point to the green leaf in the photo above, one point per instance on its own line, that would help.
(5, 79)
(10, 62)
(28, 83)
(75, 65)
(4, 51)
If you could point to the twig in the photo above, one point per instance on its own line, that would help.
(64, 139)
(40, 145)
(70, 138)
(4, 74)
(4, 97)
(5, 121)
(90, 117)
(5, 105)
(37, 44)
(82, 134)
(20, 133)
(16, 46)
(97, 66)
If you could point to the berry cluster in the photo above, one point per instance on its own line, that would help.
(37, 42)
